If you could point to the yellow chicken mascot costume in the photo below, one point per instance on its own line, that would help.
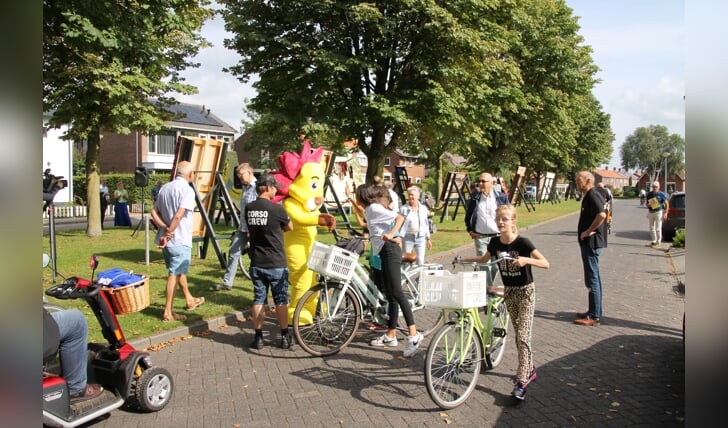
(302, 180)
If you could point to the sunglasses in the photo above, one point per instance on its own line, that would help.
(484, 181)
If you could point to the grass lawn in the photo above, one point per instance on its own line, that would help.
(116, 248)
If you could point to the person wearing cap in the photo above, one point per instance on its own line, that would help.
(266, 223)
(657, 207)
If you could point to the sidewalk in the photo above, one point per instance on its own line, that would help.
(628, 371)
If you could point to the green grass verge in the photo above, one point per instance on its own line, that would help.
(116, 248)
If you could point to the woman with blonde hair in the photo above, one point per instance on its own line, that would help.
(416, 228)
(520, 291)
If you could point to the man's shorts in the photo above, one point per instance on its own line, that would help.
(177, 259)
(274, 278)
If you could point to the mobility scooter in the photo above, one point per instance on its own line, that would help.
(127, 375)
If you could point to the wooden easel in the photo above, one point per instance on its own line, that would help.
(400, 183)
(208, 158)
(454, 190)
(518, 190)
(330, 160)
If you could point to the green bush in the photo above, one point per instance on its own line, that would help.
(135, 193)
(630, 192)
(679, 239)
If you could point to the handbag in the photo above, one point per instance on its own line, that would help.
(354, 244)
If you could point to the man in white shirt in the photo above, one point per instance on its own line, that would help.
(480, 213)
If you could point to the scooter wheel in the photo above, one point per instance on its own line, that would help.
(153, 389)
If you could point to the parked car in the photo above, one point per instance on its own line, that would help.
(675, 216)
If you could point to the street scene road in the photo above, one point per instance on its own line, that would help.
(627, 371)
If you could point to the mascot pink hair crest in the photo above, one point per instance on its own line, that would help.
(290, 164)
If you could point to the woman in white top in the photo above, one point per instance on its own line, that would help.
(416, 229)
(384, 225)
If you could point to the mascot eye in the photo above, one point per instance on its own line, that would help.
(314, 185)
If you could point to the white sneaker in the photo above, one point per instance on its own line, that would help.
(383, 340)
(413, 343)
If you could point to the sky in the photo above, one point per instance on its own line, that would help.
(639, 45)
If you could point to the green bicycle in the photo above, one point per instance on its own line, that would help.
(458, 349)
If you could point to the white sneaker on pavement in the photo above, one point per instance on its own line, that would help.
(413, 343)
(383, 340)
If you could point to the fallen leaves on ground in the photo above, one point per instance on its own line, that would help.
(159, 346)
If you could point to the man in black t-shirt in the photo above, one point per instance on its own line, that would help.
(268, 267)
(592, 236)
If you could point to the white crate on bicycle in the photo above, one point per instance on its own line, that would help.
(332, 261)
(462, 290)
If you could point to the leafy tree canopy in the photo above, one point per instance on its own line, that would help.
(384, 73)
(648, 147)
(503, 83)
(104, 61)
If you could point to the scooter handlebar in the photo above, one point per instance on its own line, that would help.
(74, 288)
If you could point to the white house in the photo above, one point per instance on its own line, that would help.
(58, 156)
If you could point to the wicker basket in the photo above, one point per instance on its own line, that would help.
(129, 298)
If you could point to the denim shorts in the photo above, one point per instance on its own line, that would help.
(177, 259)
(274, 278)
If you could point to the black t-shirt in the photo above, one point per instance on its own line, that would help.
(266, 221)
(511, 274)
(591, 205)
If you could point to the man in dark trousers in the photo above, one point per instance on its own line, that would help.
(480, 213)
(592, 235)
(268, 266)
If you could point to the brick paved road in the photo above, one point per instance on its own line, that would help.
(628, 371)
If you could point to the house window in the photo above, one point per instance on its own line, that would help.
(386, 161)
(163, 143)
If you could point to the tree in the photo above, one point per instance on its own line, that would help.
(384, 73)
(103, 62)
(555, 116)
(646, 147)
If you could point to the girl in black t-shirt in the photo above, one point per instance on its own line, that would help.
(520, 293)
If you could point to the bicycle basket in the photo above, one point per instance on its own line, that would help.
(442, 289)
(332, 261)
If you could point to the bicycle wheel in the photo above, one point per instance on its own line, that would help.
(411, 289)
(242, 261)
(451, 366)
(498, 335)
(335, 321)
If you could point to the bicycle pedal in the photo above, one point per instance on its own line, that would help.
(499, 332)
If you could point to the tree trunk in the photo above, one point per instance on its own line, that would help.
(93, 214)
(376, 153)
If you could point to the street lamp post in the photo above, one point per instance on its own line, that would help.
(665, 155)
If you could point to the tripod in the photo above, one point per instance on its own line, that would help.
(144, 214)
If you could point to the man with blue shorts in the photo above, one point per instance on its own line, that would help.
(173, 215)
(268, 267)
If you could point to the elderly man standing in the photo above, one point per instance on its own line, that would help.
(173, 214)
(657, 207)
(480, 213)
(240, 237)
(592, 236)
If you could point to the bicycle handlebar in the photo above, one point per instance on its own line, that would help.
(458, 260)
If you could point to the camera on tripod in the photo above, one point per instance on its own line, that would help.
(52, 182)
(51, 185)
